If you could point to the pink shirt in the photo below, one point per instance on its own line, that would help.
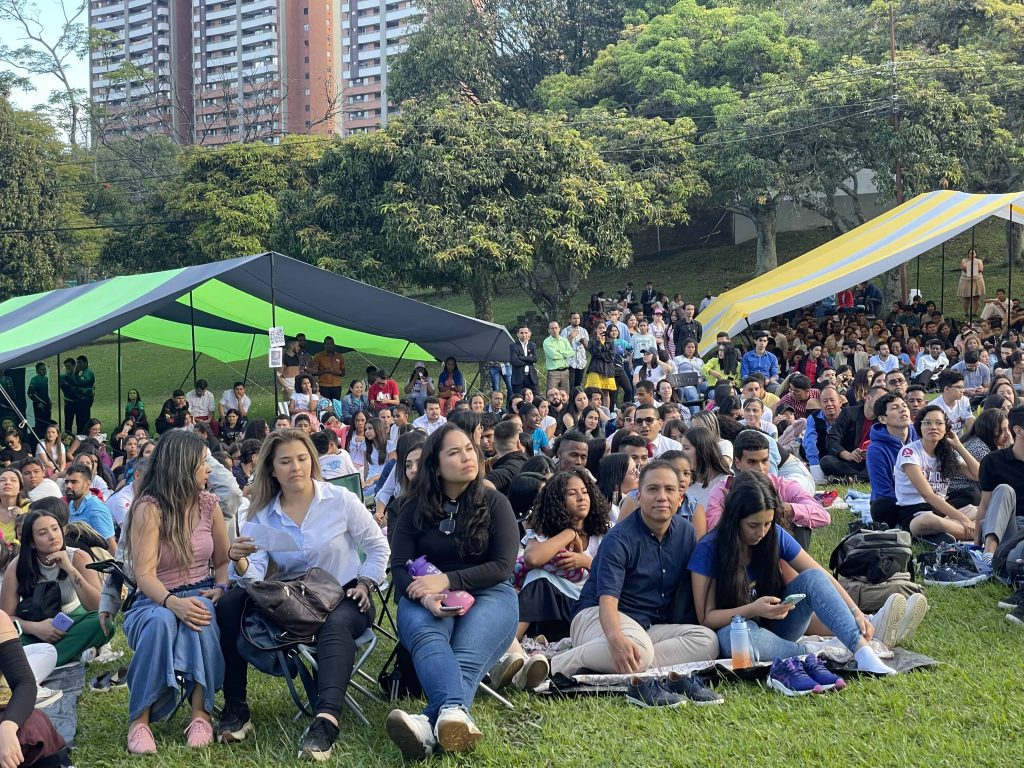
(172, 575)
(806, 511)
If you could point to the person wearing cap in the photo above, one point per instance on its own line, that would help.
(558, 352)
(643, 340)
(760, 360)
(420, 387)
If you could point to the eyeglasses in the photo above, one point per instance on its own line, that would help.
(647, 420)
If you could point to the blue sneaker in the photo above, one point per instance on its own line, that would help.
(951, 576)
(788, 677)
(651, 692)
(820, 674)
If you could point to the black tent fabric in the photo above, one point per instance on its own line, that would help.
(231, 304)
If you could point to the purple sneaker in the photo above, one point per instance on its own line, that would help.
(820, 674)
(787, 676)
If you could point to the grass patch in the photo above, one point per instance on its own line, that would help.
(964, 712)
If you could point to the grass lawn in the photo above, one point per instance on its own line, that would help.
(964, 712)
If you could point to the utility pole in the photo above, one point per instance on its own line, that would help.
(896, 129)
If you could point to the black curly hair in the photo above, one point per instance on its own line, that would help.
(550, 517)
(948, 460)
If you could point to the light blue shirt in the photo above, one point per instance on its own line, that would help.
(336, 532)
(94, 512)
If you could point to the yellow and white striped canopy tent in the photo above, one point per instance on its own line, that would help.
(888, 240)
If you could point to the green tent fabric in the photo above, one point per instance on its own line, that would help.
(231, 309)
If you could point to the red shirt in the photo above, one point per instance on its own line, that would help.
(381, 392)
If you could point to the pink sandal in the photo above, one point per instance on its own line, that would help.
(140, 740)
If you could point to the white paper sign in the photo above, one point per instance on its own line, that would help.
(275, 357)
(269, 539)
(276, 336)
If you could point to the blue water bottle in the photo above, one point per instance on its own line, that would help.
(739, 639)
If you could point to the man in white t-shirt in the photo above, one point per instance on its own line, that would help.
(953, 402)
(237, 399)
(37, 484)
(930, 364)
(200, 401)
(431, 419)
(334, 461)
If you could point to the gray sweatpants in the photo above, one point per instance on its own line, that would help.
(1001, 520)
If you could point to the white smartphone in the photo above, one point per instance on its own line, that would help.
(793, 599)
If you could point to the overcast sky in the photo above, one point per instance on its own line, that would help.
(52, 17)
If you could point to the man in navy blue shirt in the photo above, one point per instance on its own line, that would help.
(620, 623)
(760, 360)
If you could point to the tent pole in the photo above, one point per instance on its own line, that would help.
(192, 324)
(190, 372)
(918, 283)
(1009, 271)
(399, 360)
(60, 409)
(942, 289)
(273, 321)
(245, 378)
(120, 401)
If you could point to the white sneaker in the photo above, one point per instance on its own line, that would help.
(917, 607)
(455, 731)
(507, 667)
(533, 673)
(107, 654)
(47, 696)
(887, 621)
(412, 734)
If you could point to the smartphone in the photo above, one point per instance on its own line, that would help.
(63, 622)
(793, 599)
(451, 609)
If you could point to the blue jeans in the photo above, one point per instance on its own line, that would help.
(419, 402)
(822, 600)
(452, 655)
(691, 395)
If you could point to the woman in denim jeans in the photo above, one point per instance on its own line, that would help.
(748, 564)
(470, 535)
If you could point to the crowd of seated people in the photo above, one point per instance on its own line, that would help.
(630, 505)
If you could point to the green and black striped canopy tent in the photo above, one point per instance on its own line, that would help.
(229, 305)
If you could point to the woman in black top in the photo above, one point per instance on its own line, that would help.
(469, 534)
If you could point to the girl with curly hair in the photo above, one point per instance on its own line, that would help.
(568, 522)
(923, 471)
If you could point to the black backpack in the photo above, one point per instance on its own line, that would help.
(873, 556)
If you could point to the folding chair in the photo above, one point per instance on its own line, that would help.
(353, 482)
(688, 379)
(365, 645)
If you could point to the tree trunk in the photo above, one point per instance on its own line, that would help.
(766, 221)
(482, 291)
(1015, 243)
(891, 288)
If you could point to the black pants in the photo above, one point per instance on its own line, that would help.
(833, 466)
(576, 377)
(69, 417)
(335, 650)
(623, 382)
(83, 412)
(332, 392)
(44, 415)
(884, 510)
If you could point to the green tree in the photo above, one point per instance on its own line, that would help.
(462, 195)
(33, 204)
(54, 54)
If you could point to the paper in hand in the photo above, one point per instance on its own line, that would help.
(269, 539)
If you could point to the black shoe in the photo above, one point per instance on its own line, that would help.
(318, 740)
(651, 692)
(1011, 602)
(693, 688)
(235, 722)
(1017, 615)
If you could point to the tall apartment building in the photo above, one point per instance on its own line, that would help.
(374, 31)
(215, 72)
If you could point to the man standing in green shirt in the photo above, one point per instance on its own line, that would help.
(85, 381)
(557, 353)
(68, 383)
(39, 394)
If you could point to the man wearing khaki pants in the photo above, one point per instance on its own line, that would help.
(631, 612)
(557, 353)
